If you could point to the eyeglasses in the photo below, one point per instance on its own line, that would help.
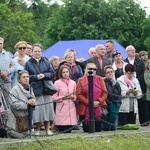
(108, 72)
(20, 48)
(94, 69)
(144, 54)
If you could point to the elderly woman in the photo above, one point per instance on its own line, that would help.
(40, 70)
(130, 91)
(118, 64)
(20, 60)
(100, 95)
(54, 61)
(76, 71)
(65, 107)
(113, 99)
(19, 101)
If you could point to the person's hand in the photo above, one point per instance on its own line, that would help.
(67, 96)
(96, 103)
(41, 76)
(4, 75)
(21, 61)
(31, 101)
(135, 92)
(11, 65)
(71, 96)
(129, 91)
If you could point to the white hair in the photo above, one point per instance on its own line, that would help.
(130, 46)
(92, 48)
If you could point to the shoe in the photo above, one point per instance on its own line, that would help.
(49, 132)
(145, 124)
(76, 128)
(37, 133)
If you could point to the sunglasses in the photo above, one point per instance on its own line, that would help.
(144, 55)
(108, 72)
(116, 52)
(94, 69)
(20, 48)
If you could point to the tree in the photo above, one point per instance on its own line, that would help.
(15, 27)
(97, 19)
(145, 36)
(41, 11)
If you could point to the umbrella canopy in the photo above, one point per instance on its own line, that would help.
(81, 46)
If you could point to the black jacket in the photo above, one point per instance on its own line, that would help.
(44, 67)
(114, 91)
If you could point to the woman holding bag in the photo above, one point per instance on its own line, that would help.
(40, 70)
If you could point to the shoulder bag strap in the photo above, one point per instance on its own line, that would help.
(36, 68)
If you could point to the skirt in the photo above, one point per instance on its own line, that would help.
(44, 112)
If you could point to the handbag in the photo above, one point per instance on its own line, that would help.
(22, 123)
(104, 112)
(48, 85)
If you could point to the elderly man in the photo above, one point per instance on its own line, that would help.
(109, 50)
(6, 70)
(92, 52)
(99, 60)
(140, 68)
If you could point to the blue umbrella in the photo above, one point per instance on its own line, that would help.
(30, 111)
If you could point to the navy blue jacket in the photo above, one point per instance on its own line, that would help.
(44, 67)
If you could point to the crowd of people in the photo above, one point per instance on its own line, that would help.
(121, 88)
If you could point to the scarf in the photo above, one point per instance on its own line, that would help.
(96, 95)
(130, 83)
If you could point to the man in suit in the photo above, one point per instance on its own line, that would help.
(100, 61)
(140, 69)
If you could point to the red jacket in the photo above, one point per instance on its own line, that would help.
(81, 95)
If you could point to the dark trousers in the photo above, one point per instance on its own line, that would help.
(143, 117)
(126, 118)
(148, 110)
(64, 129)
(85, 126)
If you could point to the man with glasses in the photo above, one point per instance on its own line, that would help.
(143, 56)
(140, 69)
(6, 69)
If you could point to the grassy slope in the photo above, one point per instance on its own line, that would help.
(116, 142)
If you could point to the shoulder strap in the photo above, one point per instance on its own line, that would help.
(36, 68)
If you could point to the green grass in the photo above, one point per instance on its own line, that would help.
(116, 142)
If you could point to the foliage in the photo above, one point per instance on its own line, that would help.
(145, 36)
(41, 12)
(122, 20)
(97, 19)
(15, 27)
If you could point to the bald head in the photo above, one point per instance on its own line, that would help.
(100, 50)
